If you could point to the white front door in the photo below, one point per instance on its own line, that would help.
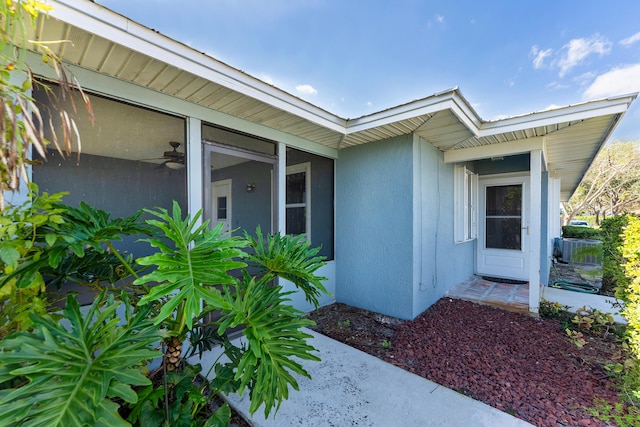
(221, 201)
(503, 227)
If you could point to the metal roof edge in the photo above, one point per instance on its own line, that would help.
(451, 99)
(580, 111)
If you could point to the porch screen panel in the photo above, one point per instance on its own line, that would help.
(309, 198)
(504, 217)
(296, 203)
(239, 180)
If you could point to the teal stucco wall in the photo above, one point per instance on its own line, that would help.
(374, 226)
(395, 247)
(440, 264)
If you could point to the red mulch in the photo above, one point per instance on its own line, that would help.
(522, 365)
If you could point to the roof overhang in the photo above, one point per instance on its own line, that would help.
(111, 44)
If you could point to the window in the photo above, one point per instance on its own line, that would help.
(298, 204)
(465, 202)
(309, 199)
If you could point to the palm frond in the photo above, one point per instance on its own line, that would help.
(72, 369)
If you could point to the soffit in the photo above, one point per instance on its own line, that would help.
(570, 151)
(98, 54)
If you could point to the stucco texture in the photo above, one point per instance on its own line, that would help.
(394, 227)
(440, 264)
(374, 232)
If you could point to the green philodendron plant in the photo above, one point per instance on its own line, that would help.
(47, 366)
(44, 242)
(193, 278)
(69, 372)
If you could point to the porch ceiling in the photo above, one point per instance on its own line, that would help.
(111, 44)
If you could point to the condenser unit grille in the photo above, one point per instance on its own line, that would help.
(579, 251)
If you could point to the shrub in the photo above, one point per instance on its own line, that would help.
(627, 411)
(613, 276)
(631, 254)
(575, 232)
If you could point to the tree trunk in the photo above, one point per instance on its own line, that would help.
(173, 354)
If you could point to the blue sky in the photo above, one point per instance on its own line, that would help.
(357, 57)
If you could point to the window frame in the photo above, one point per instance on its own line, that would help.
(300, 168)
(465, 204)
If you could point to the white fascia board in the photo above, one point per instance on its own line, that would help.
(121, 90)
(577, 112)
(494, 150)
(443, 101)
(98, 20)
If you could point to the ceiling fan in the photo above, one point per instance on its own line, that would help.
(172, 159)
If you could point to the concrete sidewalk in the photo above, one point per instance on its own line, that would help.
(351, 388)
(575, 300)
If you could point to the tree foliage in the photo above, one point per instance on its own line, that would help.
(611, 186)
(21, 125)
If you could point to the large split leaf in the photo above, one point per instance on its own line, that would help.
(289, 257)
(71, 370)
(189, 268)
(87, 226)
(275, 341)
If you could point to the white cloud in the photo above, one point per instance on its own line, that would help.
(539, 56)
(306, 90)
(585, 78)
(440, 19)
(630, 40)
(577, 50)
(618, 81)
(556, 85)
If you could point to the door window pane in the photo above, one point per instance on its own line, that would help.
(222, 208)
(504, 217)
(504, 200)
(504, 233)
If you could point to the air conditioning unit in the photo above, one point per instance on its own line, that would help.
(580, 251)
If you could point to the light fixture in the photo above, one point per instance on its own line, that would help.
(497, 158)
(174, 165)
(250, 187)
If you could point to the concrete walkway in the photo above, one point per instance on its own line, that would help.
(352, 388)
(575, 300)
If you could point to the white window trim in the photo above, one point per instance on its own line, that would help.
(465, 227)
(306, 168)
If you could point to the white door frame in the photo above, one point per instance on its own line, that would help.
(222, 187)
(506, 263)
